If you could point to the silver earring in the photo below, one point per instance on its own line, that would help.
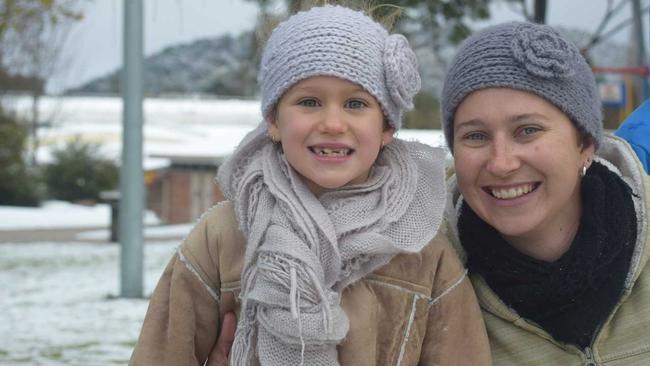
(583, 172)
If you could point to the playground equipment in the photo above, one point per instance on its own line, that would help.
(619, 97)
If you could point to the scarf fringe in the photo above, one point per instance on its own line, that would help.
(242, 347)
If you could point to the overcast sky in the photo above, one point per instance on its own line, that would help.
(94, 45)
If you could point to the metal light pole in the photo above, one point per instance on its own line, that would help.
(642, 83)
(131, 173)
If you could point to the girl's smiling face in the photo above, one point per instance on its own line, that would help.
(518, 160)
(331, 131)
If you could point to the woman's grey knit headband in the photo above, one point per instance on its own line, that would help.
(529, 57)
(341, 42)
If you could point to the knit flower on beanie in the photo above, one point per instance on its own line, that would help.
(543, 52)
(401, 69)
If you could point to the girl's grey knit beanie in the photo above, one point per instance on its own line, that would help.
(341, 42)
(529, 57)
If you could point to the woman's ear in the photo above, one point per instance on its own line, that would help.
(587, 150)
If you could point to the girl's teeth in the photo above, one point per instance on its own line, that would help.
(331, 152)
(511, 193)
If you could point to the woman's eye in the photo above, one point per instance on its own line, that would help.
(474, 136)
(529, 130)
(355, 104)
(308, 102)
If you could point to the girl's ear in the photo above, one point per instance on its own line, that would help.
(272, 126)
(387, 136)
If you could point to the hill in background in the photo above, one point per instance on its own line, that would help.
(221, 66)
(227, 66)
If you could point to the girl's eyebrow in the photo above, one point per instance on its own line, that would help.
(316, 88)
(301, 89)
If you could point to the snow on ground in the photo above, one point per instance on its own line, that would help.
(158, 232)
(58, 306)
(59, 215)
(58, 300)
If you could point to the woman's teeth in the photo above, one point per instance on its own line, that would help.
(322, 151)
(510, 193)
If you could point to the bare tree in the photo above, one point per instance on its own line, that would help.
(32, 33)
(603, 31)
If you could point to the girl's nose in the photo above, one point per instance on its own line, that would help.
(333, 121)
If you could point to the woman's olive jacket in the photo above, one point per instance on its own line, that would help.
(624, 338)
(419, 309)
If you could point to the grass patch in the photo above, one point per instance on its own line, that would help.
(53, 354)
(25, 360)
(118, 362)
(56, 353)
(127, 344)
(82, 345)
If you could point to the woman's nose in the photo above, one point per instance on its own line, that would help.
(503, 158)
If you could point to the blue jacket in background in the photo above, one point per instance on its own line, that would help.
(636, 131)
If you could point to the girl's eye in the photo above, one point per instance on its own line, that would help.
(355, 104)
(308, 102)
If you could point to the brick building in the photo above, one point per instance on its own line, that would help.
(182, 191)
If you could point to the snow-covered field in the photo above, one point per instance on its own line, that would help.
(58, 303)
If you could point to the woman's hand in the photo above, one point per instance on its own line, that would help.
(221, 350)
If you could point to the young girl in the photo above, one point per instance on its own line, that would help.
(328, 246)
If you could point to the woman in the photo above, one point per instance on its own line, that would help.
(550, 215)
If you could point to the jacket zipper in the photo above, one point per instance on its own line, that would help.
(589, 357)
(590, 360)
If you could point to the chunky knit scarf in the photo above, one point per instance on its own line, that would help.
(573, 295)
(303, 250)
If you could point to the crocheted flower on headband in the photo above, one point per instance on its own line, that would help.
(543, 52)
(401, 71)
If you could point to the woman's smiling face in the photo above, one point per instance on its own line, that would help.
(518, 160)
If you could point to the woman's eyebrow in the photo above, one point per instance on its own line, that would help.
(477, 122)
(527, 116)
(474, 122)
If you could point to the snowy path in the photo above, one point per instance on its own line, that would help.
(56, 305)
(58, 215)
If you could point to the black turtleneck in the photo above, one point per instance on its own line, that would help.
(573, 295)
